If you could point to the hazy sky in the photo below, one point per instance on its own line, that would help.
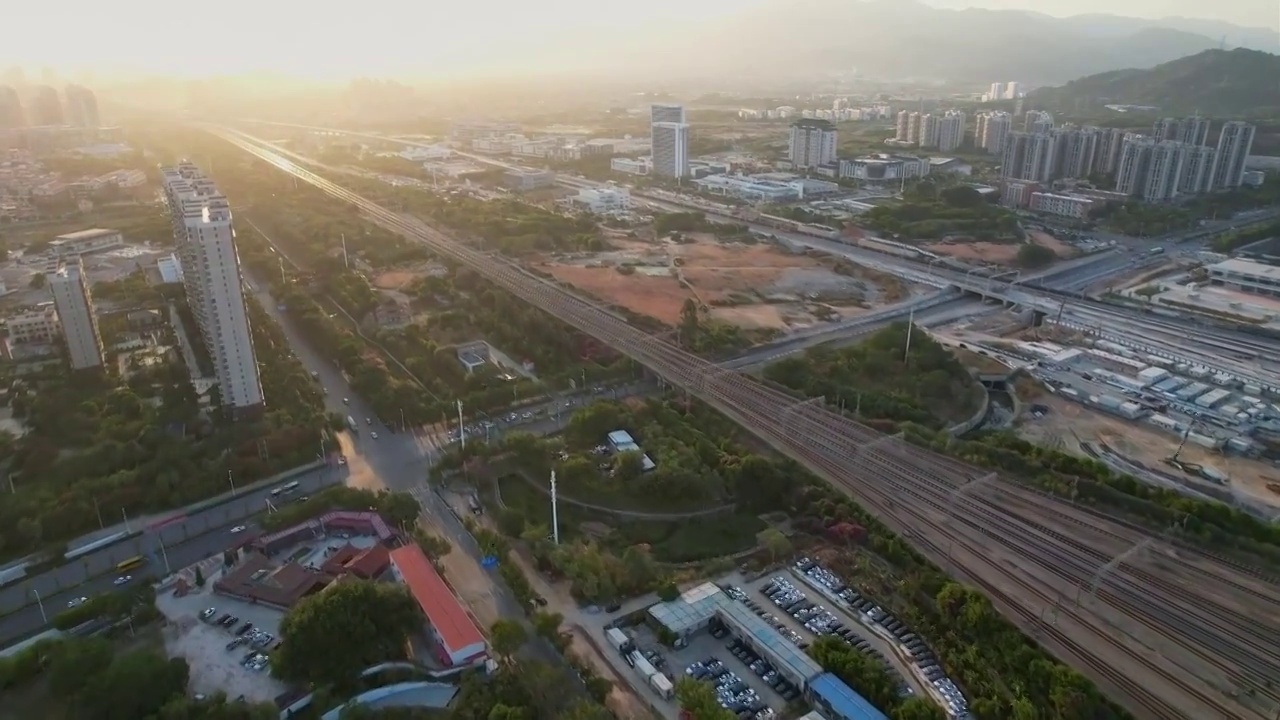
(333, 40)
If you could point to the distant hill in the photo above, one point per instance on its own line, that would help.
(1216, 82)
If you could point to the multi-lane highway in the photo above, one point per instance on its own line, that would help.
(1216, 624)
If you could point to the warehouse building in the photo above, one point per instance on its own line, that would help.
(692, 613)
(456, 638)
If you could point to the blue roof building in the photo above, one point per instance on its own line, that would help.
(838, 701)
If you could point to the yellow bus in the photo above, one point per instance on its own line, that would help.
(131, 563)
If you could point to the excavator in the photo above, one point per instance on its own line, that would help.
(1189, 468)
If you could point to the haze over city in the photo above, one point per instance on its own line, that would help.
(689, 360)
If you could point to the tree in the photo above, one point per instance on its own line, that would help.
(777, 544)
(962, 196)
(399, 508)
(668, 592)
(629, 465)
(700, 701)
(918, 708)
(37, 281)
(586, 710)
(1032, 256)
(689, 322)
(199, 577)
(507, 636)
(135, 685)
(547, 624)
(330, 637)
(75, 662)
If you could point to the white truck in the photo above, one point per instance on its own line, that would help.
(662, 686)
(617, 638)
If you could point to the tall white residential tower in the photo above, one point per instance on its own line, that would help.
(813, 143)
(211, 276)
(75, 309)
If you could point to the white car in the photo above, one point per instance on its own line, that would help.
(76, 602)
(373, 435)
(123, 579)
(238, 529)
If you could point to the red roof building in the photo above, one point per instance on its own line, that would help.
(366, 564)
(457, 638)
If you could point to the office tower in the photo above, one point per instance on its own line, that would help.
(1197, 170)
(1012, 91)
(993, 130)
(813, 143)
(951, 130)
(903, 133)
(10, 108)
(211, 277)
(71, 296)
(82, 107)
(45, 107)
(1234, 143)
(666, 113)
(913, 127)
(1108, 157)
(670, 149)
(997, 91)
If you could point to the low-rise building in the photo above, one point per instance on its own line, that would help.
(526, 180)
(1246, 276)
(39, 325)
(632, 166)
(1017, 193)
(604, 200)
(457, 640)
(884, 168)
(84, 242)
(1071, 206)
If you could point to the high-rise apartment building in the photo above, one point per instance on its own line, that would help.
(45, 108)
(1192, 130)
(666, 113)
(1030, 156)
(903, 133)
(71, 296)
(913, 127)
(1012, 90)
(1077, 151)
(1108, 157)
(82, 107)
(1164, 171)
(1131, 170)
(992, 131)
(1234, 144)
(951, 128)
(211, 277)
(670, 149)
(930, 130)
(813, 143)
(11, 115)
(997, 91)
(1197, 170)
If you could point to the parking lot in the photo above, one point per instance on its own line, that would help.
(228, 656)
(870, 615)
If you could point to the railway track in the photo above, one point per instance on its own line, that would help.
(908, 486)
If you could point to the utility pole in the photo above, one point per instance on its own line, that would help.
(346, 263)
(164, 553)
(911, 321)
(98, 512)
(233, 482)
(125, 515)
(462, 429)
(40, 602)
(555, 517)
(282, 281)
(402, 423)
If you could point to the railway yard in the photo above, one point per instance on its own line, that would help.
(1164, 630)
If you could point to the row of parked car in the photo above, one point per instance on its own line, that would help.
(734, 694)
(819, 621)
(782, 628)
(924, 658)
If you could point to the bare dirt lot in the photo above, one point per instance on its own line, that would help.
(1001, 253)
(1068, 424)
(755, 285)
(1044, 239)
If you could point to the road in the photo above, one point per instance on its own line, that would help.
(184, 543)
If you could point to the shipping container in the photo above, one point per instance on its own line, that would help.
(662, 686)
(617, 638)
(1252, 389)
(1205, 441)
(1164, 421)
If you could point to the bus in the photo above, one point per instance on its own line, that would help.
(131, 563)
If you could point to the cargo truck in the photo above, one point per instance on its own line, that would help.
(351, 424)
(662, 686)
(617, 638)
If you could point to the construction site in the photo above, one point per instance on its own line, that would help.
(753, 285)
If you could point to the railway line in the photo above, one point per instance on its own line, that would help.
(914, 491)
